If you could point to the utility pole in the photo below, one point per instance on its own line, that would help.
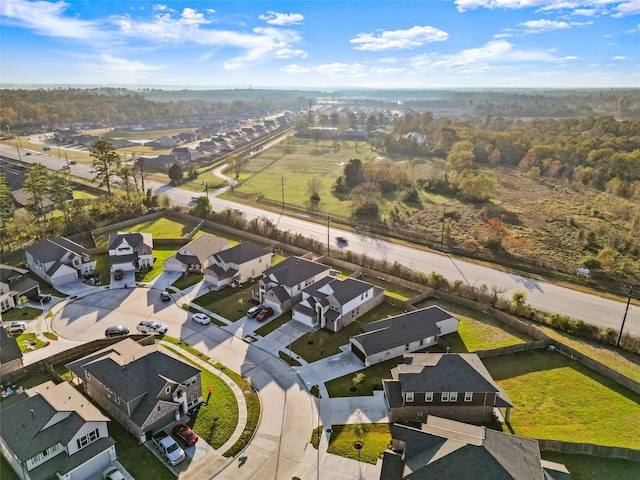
(625, 316)
(444, 212)
(328, 236)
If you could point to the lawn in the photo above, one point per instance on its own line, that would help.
(21, 313)
(273, 324)
(586, 467)
(319, 344)
(187, 280)
(29, 342)
(375, 438)
(162, 227)
(160, 254)
(230, 303)
(557, 398)
(373, 375)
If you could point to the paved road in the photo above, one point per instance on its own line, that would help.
(541, 295)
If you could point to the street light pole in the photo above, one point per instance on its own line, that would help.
(625, 316)
(328, 235)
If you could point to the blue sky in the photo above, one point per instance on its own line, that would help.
(322, 44)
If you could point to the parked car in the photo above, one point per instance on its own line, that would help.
(112, 473)
(237, 210)
(152, 327)
(264, 314)
(16, 327)
(201, 318)
(253, 311)
(116, 331)
(185, 434)
(72, 162)
(342, 240)
(165, 296)
(44, 298)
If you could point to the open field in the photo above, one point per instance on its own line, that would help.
(162, 227)
(556, 398)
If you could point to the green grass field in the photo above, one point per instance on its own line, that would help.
(557, 398)
(162, 227)
(375, 438)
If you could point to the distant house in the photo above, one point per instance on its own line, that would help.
(166, 141)
(142, 388)
(14, 284)
(194, 256)
(448, 449)
(332, 303)
(450, 385)
(281, 286)
(52, 431)
(130, 252)
(392, 337)
(59, 260)
(24, 199)
(11, 358)
(237, 265)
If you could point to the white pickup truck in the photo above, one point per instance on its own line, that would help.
(168, 447)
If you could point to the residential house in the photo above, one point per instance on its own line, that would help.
(14, 285)
(448, 449)
(281, 286)
(141, 387)
(449, 385)
(237, 265)
(332, 303)
(130, 251)
(166, 141)
(392, 337)
(52, 431)
(194, 256)
(59, 260)
(10, 355)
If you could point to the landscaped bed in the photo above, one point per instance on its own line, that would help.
(560, 399)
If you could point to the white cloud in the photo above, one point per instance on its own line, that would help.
(341, 69)
(399, 39)
(294, 69)
(579, 7)
(287, 52)
(192, 17)
(47, 18)
(281, 19)
(537, 26)
(120, 70)
(621, 57)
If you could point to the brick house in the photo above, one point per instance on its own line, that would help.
(450, 385)
(237, 265)
(141, 387)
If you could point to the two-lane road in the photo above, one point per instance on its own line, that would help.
(542, 295)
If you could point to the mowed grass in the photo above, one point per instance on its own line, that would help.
(557, 398)
(230, 303)
(162, 227)
(375, 438)
(586, 467)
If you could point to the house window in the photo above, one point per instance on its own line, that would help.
(453, 397)
(116, 399)
(409, 396)
(428, 397)
(468, 396)
(87, 439)
(406, 347)
(444, 396)
(167, 390)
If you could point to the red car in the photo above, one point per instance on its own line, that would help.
(264, 314)
(185, 434)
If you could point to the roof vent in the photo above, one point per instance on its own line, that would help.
(32, 414)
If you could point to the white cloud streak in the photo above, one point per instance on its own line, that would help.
(398, 39)
(282, 19)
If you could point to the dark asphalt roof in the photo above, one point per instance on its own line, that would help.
(241, 253)
(9, 348)
(53, 249)
(294, 270)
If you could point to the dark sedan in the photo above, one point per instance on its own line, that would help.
(185, 434)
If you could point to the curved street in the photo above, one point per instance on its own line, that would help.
(280, 447)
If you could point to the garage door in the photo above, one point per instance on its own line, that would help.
(61, 280)
(358, 353)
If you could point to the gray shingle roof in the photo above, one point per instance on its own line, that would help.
(201, 248)
(294, 270)
(395, 331)
(450, 449)
(241, 253)
(53, 249)
(134, 239)
(9, 349)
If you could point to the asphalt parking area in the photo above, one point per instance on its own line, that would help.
(86, 318)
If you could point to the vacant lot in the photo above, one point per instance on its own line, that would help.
(556, 398)
(162, 227)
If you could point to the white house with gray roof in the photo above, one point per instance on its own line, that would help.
(194, 256)
(281, 286)
(393, 337)
(333, 303)
(237, 265)
(444, 448)
(59, 260)
(130, 251)
(52, 431)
